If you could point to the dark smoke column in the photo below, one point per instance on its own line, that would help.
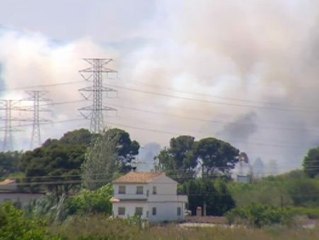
(95, 73)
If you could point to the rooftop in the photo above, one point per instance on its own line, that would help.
(138, 177)
(7, 182)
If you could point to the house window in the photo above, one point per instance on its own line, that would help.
(154, 211)
(121, 211)
(179, 211)
(122, 189)
(139, 190)
(138, 211)
(154, 190)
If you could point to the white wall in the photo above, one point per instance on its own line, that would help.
(164, 185)
(130, 191)
(23, 198)
(165, 211)
(129, 209)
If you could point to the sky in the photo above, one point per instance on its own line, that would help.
(241, 71)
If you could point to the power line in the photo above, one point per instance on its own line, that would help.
(201, 94)
(211, 101)
(183, 133)
(166, 132)
(213, 121)
(39, 86)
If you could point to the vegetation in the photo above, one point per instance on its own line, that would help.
(91, 202)
(214, 157)
(75, 211)
(259, 215)
(9, 163)
(14, 225)
(84, 203)
(110, 154)
(57, 162)
(56, 165)
(311, 162)
(178, 161)
(288, 190)
(100, 165)
(212, 195)
(126, 149)
(217, 157)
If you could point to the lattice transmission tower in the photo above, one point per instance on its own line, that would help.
(96, 73)
(37, 98)
(8, 106)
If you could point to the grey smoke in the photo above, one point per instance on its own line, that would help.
(260, 54)
(241, 128)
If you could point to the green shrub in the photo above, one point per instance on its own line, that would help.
(15, 226)
(258, 215)
(88, 202)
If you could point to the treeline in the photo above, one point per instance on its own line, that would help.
(81, 160)
(76, 171)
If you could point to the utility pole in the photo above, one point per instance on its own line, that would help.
(94, 73)
(36, 97)
(8, 106)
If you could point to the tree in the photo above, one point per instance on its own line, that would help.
(207, 193)
(56, 165)
(100, 165)
(311, 162)
(125, 148)
(179, 161)
(81, 136)
(184, 155)
(217, 157)
(111, 153)
(9, 163)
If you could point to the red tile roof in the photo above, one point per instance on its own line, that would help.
(138, 177)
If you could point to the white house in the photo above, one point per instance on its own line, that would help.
(151, 195)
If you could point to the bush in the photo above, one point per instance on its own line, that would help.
(15, 226)
(88, 202)
(258, 215)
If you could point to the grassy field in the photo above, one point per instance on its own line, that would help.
(100, 228)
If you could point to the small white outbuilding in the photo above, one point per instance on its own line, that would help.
(150, 195)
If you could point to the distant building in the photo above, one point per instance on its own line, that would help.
(152, 196)
(9, 192)
(244, 178)
(243, 171)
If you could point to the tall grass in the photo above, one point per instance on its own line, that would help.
(102, 228)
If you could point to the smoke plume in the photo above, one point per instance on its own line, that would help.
(242, 71)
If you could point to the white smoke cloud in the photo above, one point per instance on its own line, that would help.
(31, 61)
(245, 56)
(263, 52)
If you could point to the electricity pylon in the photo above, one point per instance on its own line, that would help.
(37, 97)
(8, 106)
(95, 74)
